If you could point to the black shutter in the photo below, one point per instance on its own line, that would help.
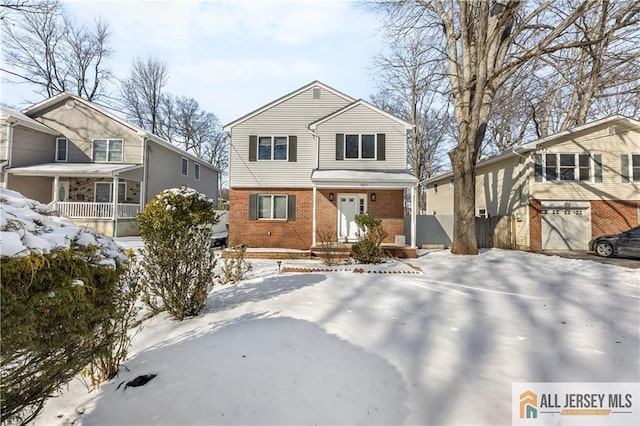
(624, 168)
(339, 146)
(293, 148)
(291, 207)
(253, 148)
(381, 154)
(253, 206)
(537, 158)
(597, 167)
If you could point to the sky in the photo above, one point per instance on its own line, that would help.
(235, 56)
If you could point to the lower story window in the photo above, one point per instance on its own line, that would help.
(272, 207)
(104, 192)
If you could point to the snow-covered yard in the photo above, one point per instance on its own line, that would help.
(439, 347)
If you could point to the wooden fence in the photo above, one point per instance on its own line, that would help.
(494, 232)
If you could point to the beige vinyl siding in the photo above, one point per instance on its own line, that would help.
(31, 147)
(164, 172)
(81, 125)
(289, 118)
(441, 202)
(3, 140)
(362, 120)
(34, 187)
(611, 187)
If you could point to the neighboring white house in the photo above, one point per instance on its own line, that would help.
(303, 166)
(91, 165)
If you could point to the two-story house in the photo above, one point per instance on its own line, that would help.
(92, 166)
(303, 166)
(561, 190)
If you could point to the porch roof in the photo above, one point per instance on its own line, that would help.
(362, 179)
(74, 169)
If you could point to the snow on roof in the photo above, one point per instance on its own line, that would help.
(24, 120)
(29, 227)
(74, 169)
(363, 178)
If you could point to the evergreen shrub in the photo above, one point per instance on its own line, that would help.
(178, 259)
(370, 236)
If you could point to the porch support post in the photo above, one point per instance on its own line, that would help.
(56, 189)
(313, 218)
(414, 206)
(115, 205)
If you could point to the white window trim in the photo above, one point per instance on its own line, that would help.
(95, 191)
(66, 147)
(286, 208)
(273, 148)
(631, 155)
(109, 140)
(196, 171)
(576, 169)
(184, 171)
(359, 158)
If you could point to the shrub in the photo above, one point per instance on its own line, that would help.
(370, 236)
(328, 246)
(234, 268)
(117, 330)
(59, 290)
(178, 259)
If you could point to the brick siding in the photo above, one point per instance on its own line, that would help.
(607, 217)
(296, 234)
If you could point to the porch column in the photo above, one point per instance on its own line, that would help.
(413, 216)
(56, 189)
(313, 218)
(115, 205)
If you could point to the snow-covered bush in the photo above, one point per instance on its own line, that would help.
(58, 291)
(370, 236)
(178, 259)
(235, 267)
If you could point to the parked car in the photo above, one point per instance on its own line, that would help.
(626, 243)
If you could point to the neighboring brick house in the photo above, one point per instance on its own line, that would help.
(91, 165)
(303, 166)
(561, 190)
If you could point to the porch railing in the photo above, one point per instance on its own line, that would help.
(80, 210)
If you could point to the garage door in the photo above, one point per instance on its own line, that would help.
(566, 225)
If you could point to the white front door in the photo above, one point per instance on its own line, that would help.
(349, 206)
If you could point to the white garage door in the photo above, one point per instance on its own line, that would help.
(566, 226)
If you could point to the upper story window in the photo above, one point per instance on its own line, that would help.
(184, 167)
(360, 147)
(630, 167)
(272, 148)
(568, 167)
(107, 150)
(62, 148)
(196, 171)
(435, 188)
(364, 146)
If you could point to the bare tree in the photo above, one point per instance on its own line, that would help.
(569, 87)
(141, 92)
(484, 43)
(46, 48)
(411, 86)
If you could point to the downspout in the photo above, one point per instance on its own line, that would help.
(315, 190)
(115, 204)
(145, 171)
(9, 152)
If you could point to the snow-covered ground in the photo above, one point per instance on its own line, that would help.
(439, 347)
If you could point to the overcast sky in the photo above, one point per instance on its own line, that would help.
(235, 56)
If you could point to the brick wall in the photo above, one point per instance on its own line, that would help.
(388, 207)
(535, 221)
(294, 234)
(612, 217)
(607, 217)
